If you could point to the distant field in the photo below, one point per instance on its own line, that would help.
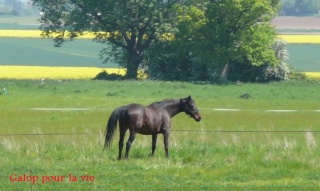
(301, 39)
(46, 72)
(41, 52)
(32, 34)
(21, 20)
(304, 57)
(293, 38)
(26, 48)
(297, 23)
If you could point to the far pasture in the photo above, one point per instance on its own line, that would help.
(303, 56)
(41, 52)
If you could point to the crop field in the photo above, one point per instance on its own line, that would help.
(26, 48)
(46, 72)
(267, 142)
(290, 38)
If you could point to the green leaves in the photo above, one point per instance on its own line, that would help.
(239, 28)
(129, 25)
(212, 32)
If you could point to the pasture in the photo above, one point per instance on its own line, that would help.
(270, 142)
(52, 135)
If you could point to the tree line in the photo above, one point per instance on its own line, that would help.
(288, 7)
(299, 7)
(16, 7)
(176, 39)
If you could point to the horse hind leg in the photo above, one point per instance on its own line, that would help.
(122, 135)
(154, 143)
(129, 143)
(123, 129)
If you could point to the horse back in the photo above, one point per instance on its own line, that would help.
(147, 120)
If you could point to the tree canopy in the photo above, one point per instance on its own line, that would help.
(129, 26)
(207, 35)
(238, 30)
(215, 33)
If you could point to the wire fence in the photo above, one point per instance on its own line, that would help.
(194, 131)
(210, 109)
(172, 130)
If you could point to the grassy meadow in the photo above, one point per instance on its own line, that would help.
(55, 132)
(252, 148)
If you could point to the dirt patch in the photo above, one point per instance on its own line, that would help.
(307, 23)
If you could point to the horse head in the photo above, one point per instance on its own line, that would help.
(191, 109)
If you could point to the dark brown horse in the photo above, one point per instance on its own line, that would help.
(150, 120)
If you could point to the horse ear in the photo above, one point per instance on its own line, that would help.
(189, 97)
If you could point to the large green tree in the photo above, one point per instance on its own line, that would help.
(238, 30)
(214, 33)
(129, 26)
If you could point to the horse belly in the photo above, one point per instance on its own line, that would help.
(147, 130)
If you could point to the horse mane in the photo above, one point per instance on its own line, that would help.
(164, 102)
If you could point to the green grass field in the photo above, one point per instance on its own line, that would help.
(304, 57)
(270, 142)
(41, 52)
(250, 149)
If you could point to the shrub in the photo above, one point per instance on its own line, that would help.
(277, 73)
(245, 72)
(171, 61)
(298, 76)
(105, 76)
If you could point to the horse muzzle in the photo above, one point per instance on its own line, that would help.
(197, 117)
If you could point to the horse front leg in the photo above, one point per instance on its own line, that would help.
(166, 142)
(154, 143)
(129, 143)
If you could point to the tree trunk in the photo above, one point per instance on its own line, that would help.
(224, 73)
(133, 65)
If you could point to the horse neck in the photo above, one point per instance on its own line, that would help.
(173, 107)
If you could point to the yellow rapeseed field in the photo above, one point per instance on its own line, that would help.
(32, 34)
(300, 39)
(55, 73)
(46, 72)
(313, 75)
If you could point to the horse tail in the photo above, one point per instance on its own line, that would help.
(112, 124)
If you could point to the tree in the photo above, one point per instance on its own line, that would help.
(213, 34)
(16, 6)
(180, 58)
(238, 30)
(245, 72)
(129, 26)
